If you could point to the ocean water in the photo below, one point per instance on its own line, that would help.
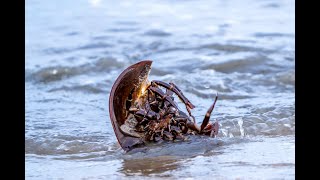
(244, 50)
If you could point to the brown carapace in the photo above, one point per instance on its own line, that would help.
(143, 111)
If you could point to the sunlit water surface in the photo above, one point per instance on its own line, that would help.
(245, 50)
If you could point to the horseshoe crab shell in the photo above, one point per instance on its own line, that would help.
(129, 83)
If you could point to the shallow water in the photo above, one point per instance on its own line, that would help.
(245, 50)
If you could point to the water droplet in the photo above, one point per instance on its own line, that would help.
(240, 123)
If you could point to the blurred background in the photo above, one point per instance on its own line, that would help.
(244, 50)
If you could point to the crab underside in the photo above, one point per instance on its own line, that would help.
(141, 112)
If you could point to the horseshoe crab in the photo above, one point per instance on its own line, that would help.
(141, 112)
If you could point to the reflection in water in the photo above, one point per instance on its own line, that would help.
(150, 165)
(162, 158)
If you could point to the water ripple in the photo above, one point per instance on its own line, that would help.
(56, 73)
